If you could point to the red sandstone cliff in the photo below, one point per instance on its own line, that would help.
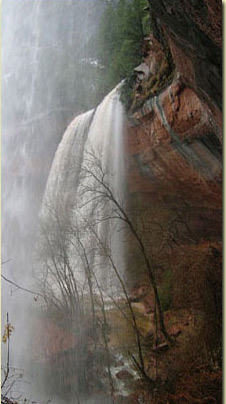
(174, 147)
(175, 122)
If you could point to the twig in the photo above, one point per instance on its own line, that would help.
(7, 366)
(22, 288)
(5, 262)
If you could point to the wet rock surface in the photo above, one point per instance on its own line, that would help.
(194, 34)
(174, 147)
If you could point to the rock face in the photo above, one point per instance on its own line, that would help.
(194, 33)
(174, 147)
(175, 135)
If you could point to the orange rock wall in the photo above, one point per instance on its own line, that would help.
(174, 149)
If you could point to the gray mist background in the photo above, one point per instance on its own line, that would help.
(45, 84)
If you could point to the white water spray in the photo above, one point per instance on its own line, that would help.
(92, 150)
(42, 87)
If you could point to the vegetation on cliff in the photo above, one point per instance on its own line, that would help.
(122, 45)
(118, 45)
(123, 28)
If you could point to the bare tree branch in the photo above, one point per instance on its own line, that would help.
(5, 262)
(22, 288)
(7, 365)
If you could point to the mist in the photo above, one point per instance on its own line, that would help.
(44, 86)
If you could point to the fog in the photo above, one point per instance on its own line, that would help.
(44, 86)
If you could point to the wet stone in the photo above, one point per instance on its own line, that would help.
(124, 375)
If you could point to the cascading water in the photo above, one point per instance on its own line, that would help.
(43, 83)
(92, 145)
(81, 265)
(81, 241)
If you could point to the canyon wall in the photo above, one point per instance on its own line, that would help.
(174, 147)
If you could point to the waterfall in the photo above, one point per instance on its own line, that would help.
(81, 245)
(43, 84)
(77, 212)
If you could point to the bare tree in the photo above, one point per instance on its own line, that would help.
(100, 190)
(69, 243)
(108, 254)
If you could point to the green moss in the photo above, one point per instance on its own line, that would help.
(153, 86)
(126, 95)
(152, 82)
